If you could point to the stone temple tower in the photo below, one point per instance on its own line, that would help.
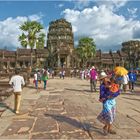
(60, 43)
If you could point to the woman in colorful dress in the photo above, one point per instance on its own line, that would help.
(45, 78)
(107, 115)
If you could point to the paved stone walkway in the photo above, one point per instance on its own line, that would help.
(67, 110)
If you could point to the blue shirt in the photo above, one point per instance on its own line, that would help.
(132, 77)
(105, 93)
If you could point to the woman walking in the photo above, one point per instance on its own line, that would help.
(45, 78)
(107, 115)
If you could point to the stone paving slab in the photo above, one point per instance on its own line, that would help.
(67, 110)
(19, 126)
(76, 135)
(37, 112)
(16, 137)
(128, 133)
(122, 122)
(45, 124)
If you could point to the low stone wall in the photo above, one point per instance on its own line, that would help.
(5, 90)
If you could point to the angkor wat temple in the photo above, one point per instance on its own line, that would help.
(60, 52)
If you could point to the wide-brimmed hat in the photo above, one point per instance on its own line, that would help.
(93, 67)
(102, 75)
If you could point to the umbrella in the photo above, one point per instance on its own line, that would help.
(120, 71)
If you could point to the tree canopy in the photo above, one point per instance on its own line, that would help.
(86, 49)
(32, 35)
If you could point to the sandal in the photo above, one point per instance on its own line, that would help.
(112, 131)
(105, 130)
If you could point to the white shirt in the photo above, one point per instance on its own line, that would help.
(125, 79)
(17, 81)
(35, 76)
(63, 72)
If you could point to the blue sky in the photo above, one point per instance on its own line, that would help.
(109, 23)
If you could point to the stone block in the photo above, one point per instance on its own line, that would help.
(45, 124)
(18, 126)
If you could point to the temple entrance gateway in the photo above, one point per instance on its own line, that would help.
(60, 42)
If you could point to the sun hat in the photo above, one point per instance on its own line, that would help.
(93, 67)
(103, 75)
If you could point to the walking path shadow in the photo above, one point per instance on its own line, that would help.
(81, 125)
(77, 90)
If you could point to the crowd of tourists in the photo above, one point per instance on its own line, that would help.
(112, 83)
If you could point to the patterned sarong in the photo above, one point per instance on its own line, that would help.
(107, 115)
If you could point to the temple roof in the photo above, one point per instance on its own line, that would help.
(106, 56)
(115, 55)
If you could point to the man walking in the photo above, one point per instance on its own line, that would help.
(17, 81)
(132, 79)
(93, 78)
(63, 74)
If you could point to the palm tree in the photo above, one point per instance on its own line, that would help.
(86, 49)
(32, 36)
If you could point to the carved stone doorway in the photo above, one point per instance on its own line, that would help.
(62, 61)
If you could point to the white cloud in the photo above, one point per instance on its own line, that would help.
(60, 5)
(102, 24)
(9, 29)
(132, 12)
(112, 4)
(35, 17)
(80, 4)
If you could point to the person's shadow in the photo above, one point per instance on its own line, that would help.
(4, 107)
(81, 125)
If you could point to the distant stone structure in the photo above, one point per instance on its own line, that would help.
(9, 60)
(108, 60)
(61, 43)
(132, 49)
(60, 53)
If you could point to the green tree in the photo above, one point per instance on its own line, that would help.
(32, 36)
(86, 49)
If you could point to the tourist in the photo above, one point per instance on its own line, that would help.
(82, 74)
(63, 74)
(39, 76)
(36, 80)
(107, 115)
(93, 79)
(125, 80)
(60, 74)
(45, 77)
(77, 72)
(52, 74)
(71, 72)
(17, 82)
(132, 79)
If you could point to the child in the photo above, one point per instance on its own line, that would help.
(113, 87)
